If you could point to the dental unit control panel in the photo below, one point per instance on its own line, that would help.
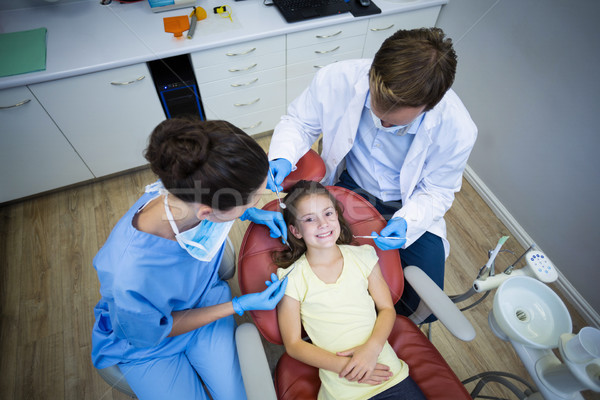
(541, 266)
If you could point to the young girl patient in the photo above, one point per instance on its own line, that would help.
(337, 293)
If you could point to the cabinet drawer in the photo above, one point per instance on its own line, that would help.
(239, 51)
(261, 121)
(296, 86)
(380, 28)
(107, 116)
(326, 34)
(323, 51)
(312, 66)
(34, 154)
(238, 84)
(240, 68)
(232, 105)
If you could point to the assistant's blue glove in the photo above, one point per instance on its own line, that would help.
(265, 300)
(280, 168)
(272, 219)
(396, 227)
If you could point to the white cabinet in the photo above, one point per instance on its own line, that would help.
(34, 154)
(380, 28)
(93, 125)
(107, 116)
(310, 50)
(244, 83)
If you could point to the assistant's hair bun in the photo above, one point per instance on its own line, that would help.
(178, 149)
(186, 153)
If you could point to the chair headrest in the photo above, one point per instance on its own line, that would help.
(255, 264)
(310, 167)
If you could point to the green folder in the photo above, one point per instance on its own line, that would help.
(22, 52)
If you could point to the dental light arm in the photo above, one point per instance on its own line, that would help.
(439, 304)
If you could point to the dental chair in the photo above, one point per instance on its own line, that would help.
(295, 380)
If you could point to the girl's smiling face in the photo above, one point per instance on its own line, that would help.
(316, 222)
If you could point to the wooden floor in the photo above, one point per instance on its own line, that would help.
(49, 288)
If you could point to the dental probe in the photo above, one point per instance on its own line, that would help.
(373, 237)
(281, 205)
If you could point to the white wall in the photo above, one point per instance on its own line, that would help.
(528, 73)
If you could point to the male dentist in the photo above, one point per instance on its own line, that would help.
(394, 132)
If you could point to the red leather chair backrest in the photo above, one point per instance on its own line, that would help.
(255, 265)
(310, 168)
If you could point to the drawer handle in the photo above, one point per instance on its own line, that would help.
(128, 83)
(256, 125)
(244, 84)
(242, 69)
(242, 53)
(326, 51)
(382, 29)
(247, 104)
(328, 36)
(19, 104)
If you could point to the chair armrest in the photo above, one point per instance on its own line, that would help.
(439, 303)
(258, 381)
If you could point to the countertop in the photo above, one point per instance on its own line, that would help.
(86, 36)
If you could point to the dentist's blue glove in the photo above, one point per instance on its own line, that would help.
(265, 300)
(396, 227)
(272, 219)
(280, 169)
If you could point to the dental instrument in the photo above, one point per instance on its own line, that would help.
(281, 204)
(488, 266)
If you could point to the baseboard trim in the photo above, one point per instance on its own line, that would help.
(573, 296)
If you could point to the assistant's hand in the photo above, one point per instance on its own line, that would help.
(265, 300)
(272, 219)
(396, 227)
(280, 168)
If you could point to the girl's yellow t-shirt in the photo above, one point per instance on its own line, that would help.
(340, 316)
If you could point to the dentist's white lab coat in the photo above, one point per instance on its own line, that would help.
(432, 170)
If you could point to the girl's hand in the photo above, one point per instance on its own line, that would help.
(380, 374)
(362, 364)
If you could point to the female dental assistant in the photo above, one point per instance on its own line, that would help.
(165, 317)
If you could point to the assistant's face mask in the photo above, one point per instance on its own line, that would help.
(202, 241)
(399, 129)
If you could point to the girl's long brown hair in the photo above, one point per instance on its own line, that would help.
(299, 191)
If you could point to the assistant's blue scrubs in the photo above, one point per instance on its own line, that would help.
(143, 279)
